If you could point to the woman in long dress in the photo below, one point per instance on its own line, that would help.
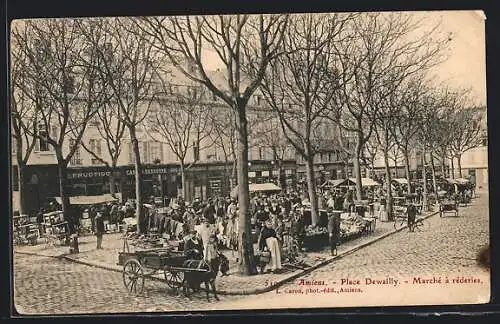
(268, 239)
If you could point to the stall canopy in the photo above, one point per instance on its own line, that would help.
(366, 182)
(459, 181)
(402, 181)
(89, 200)
(258, 187)
(337, 183)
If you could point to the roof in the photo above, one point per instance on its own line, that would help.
(258, 187)
(337, 182)
(89, 200)
(401, 180)
(366, 182)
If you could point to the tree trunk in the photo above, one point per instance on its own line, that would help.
(443, 168)
(61, 171)
(452, 171)
(459, 165)
(433, 169)
(424, 175)
(407, 170)
(138, 181)
(357, 169)
(311, 187)
(389, 186)
(112, 181)
(21, 188)
(245, 242)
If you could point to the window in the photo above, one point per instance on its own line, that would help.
(69, 81)
(76, 159)
(108, 51)
(214, 97)
(43, 144)
(95, 146)
(145, 152)
(131, 157)
(257, 99)
(330, 157)
(155, 151)
(196, 151)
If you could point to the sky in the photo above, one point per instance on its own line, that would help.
(465, 66)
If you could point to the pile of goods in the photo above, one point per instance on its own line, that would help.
(145, 241)
(351, 225)
(316, 231)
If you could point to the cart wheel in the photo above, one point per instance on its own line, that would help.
(174, 278)
(133, 277)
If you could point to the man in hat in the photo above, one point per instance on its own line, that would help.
(193, 248)
(99, 229)
(411, 211)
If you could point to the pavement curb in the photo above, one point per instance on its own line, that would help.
(255, 291)
(320, 264)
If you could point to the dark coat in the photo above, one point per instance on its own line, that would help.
(99, 225)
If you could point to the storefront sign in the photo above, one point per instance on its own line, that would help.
(89, 174)
(147, 171)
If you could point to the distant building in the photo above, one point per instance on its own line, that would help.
(210, 167)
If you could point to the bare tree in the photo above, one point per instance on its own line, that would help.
(66, 90)
(384, 47)
(270, 137)
(128, 63)
(385, 122)
(301, 86)
(243, 44)
(371, 151)
(408, 123)
(182, 119)
(111, 128)
(224, 138)
(466, 127)
(23, 117)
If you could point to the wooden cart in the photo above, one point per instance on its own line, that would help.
(142, 264)
(448, 206)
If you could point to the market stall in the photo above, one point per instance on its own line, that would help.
(56, 229)
(87, 201)
(26, 230)
(264, 188)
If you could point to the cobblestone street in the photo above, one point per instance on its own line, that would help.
(447, 248)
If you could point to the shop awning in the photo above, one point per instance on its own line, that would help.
(258, 187)
(90, 200)
(337, 183)
(366, 182)
(401, 181)
(461, 181)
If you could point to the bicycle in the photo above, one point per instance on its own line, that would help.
(419, 224)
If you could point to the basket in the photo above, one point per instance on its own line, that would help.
(264, 257)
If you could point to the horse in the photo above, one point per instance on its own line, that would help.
(193, 279)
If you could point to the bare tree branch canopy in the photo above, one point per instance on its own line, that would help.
(302, 83)
(382, 52)
(183, 121)
(66, 91)
(244, 45)
(128, 63)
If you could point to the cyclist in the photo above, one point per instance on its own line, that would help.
(411, 211)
